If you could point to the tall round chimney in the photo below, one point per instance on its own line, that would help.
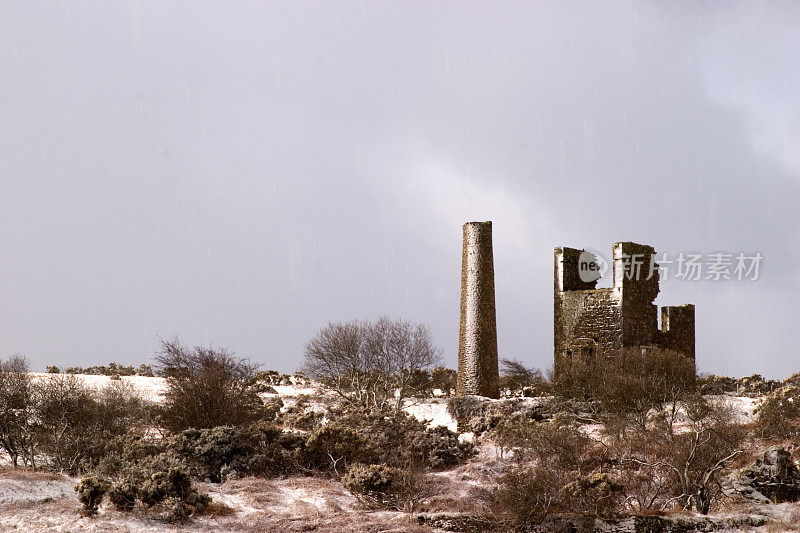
(477, 340)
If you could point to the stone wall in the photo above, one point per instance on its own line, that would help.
(677, 329)
(590, 322)
(477, 342)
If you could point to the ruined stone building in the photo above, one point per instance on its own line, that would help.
(593, 322)
(477, 336)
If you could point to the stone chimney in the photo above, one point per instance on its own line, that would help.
(477, 340)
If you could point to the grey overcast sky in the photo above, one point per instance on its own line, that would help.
(241, 173)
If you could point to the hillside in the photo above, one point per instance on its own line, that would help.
(45, 501)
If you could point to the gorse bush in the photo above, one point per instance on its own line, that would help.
(225, 452)
(299, 417)
(778, 416)
(112, 369)
(273, 377)
(464, 409)
(444, 379)
(377, 484)
(213, 454)
(595, 494)
(334, 447)
(476, 414)
(755, 385)
(385, 486)
(372, 480)
(392, 438)
(400, 440)
(123, 495)
(148, 472)
(167, 492)
(90, 493)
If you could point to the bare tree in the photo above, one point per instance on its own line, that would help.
(371, 364)
(399, 348)
(16, 410)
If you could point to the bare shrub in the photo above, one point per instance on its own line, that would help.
(557, 470)
(75, 424)
(517, 379)
(526, 494)
(206, 387)
(631, 383)
(687, 464)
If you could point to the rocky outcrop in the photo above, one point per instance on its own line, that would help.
(679, 524)
(465, 523)
(772, 478)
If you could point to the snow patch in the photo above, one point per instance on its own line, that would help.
(434, 411)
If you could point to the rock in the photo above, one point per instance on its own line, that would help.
(460, 522)
(678, 524)
(772, 478)
(569, 523)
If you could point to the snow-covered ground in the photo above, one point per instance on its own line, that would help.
(744, 407)
(22, 487)
(151, 388)
(433, 410)
(42, 501)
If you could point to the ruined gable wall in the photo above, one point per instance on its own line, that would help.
(677, 329)
(639, 314)
(587, 321)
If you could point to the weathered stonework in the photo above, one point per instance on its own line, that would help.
(477, 340)
(590, 322)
